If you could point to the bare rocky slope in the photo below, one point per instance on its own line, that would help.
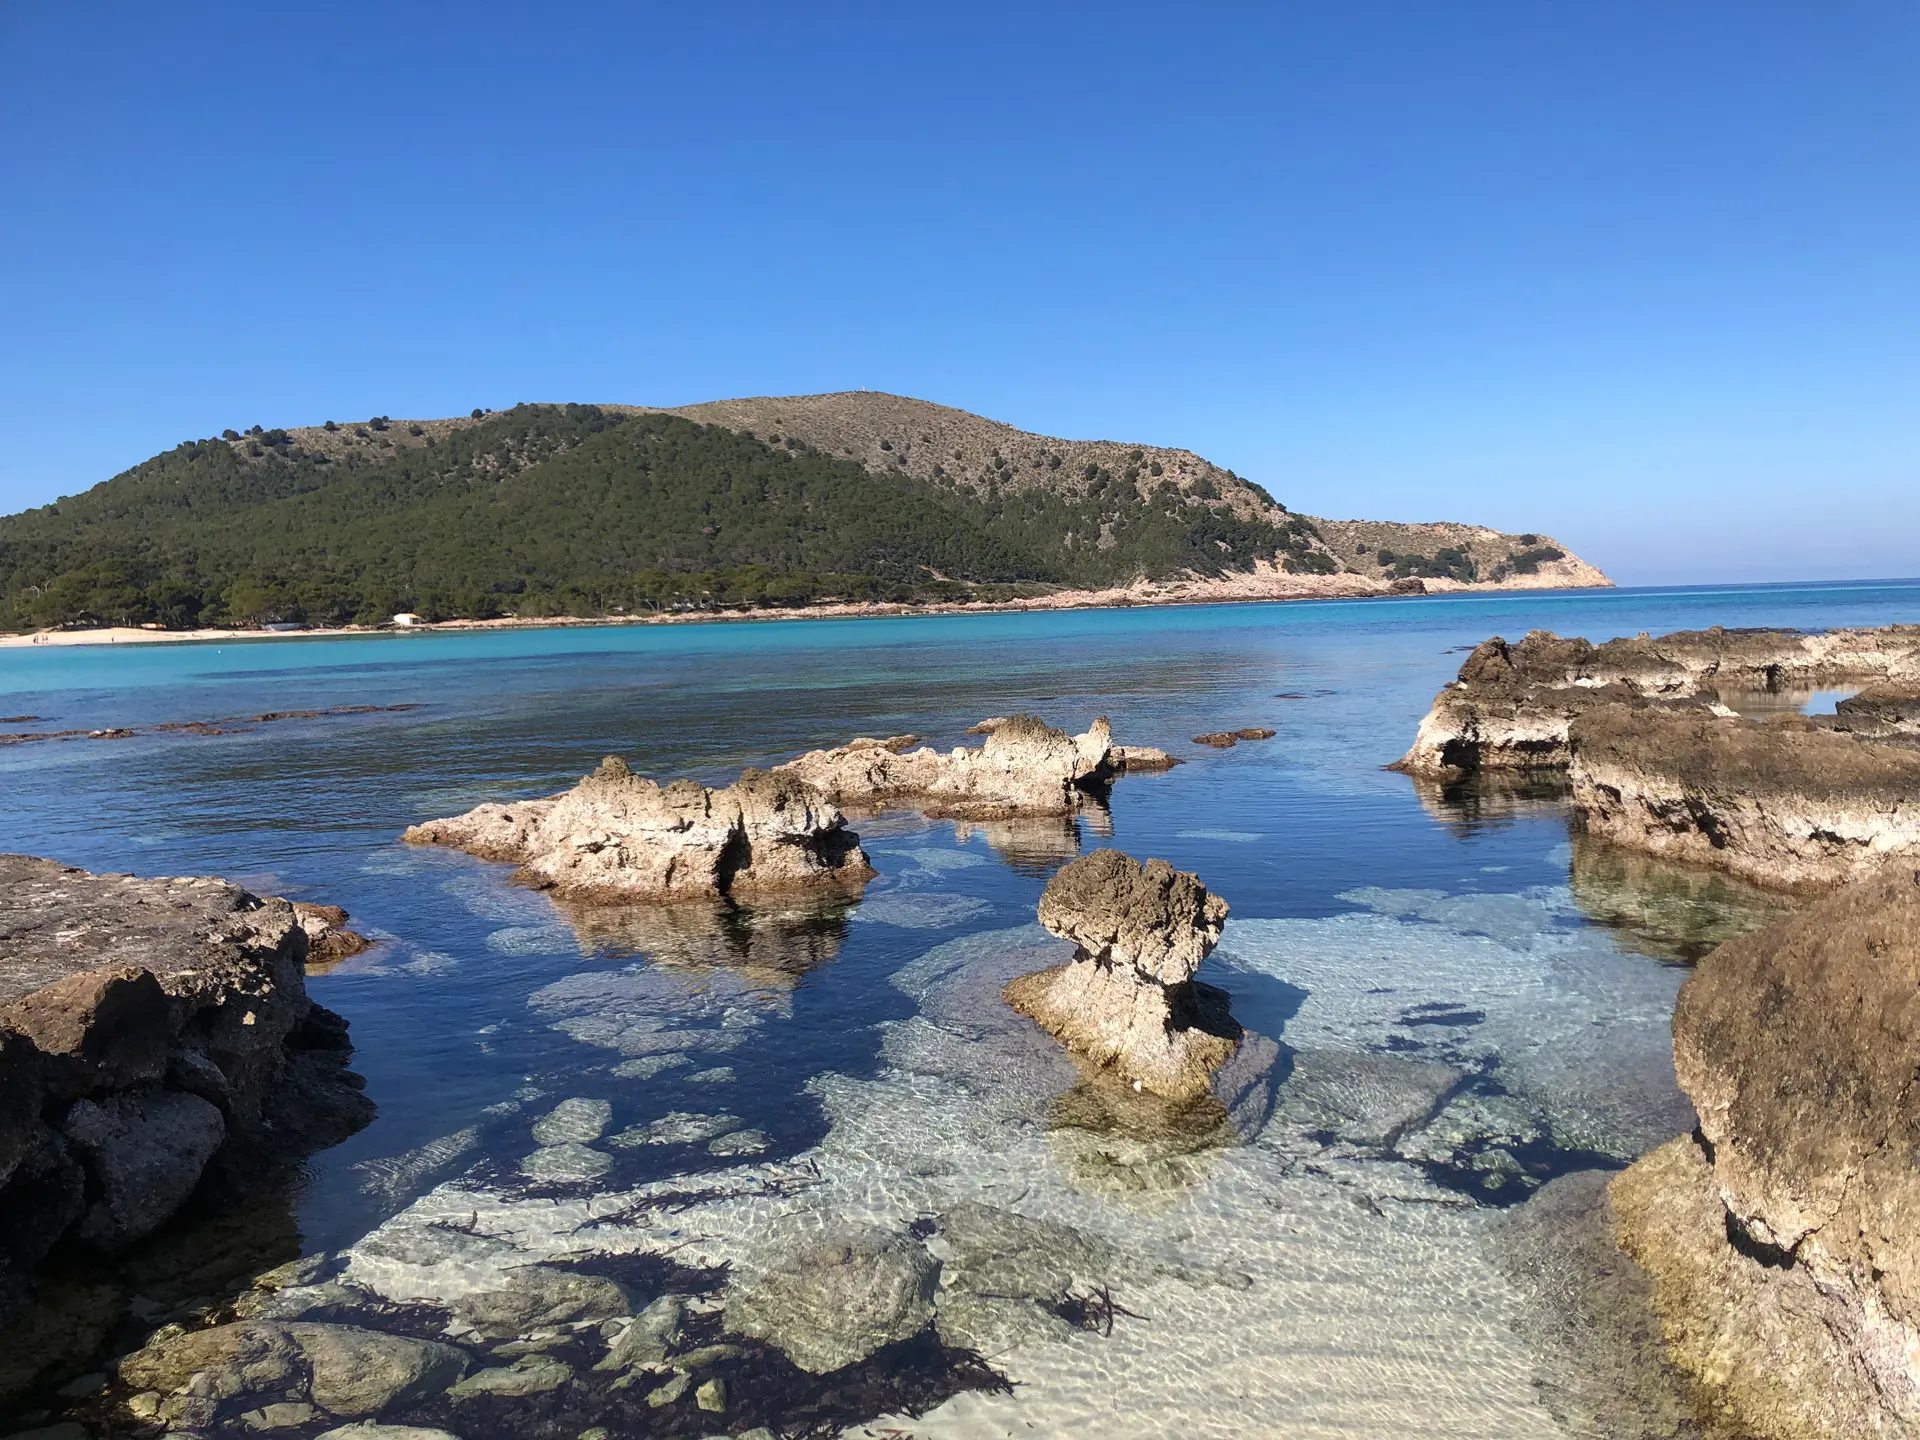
(898, 435)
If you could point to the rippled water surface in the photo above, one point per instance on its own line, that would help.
(1461, 1003)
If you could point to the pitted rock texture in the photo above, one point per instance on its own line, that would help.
(1788, 803)
(1026, 767)
(1127, 1001)
(1781, 1241)
(617, 836)
(1512, 705)
(151, 1031)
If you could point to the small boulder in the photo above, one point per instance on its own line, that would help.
(577, 1119)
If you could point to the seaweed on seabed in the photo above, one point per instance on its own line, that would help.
(1094, 1311)
(763, 1388)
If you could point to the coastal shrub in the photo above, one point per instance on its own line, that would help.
(329, 427)
(229, 434)
(1205, 489)
(1156, 468)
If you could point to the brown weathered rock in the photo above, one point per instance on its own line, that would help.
(618, 836)
(1127, 1000)
(152, 1033)
(1788, 803)
(328, 939)
(1783, 1247)
(1135, 759)
(1026, 767)
(1511, 706)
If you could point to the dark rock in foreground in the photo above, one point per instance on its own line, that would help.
(1781, 1238)
(1127, 1001)
(153, 1034)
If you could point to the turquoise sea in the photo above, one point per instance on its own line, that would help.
(1383, 938)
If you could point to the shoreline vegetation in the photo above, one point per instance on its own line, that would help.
(819, 505)
(1267, 585)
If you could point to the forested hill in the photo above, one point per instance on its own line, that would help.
(575, 509)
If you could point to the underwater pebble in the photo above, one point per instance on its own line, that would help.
(740, 1142)
(566, 1162)
(577, 1119)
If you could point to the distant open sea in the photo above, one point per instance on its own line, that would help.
(1323, 855)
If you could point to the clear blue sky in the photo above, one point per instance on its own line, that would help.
(1640, 274)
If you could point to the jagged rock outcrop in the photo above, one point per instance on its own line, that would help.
(617, 836)
(1128, 1001)
(1781, 1239)
(1026, 767)
(150, 1031)
(1788, 803)
(1512, 705)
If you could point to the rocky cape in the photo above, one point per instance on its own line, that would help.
(618, 836)
(155, 1037)
(1780, 1237)
(1128, 1001)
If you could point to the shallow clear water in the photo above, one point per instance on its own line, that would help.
(1371, 922)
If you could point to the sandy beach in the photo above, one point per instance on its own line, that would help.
(1265, 584)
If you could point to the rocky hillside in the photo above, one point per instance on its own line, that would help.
(584, 510)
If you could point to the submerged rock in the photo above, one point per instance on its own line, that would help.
(540, 1295)
(838, 1300)
(342, 1369)
(1780, 1242)
(1026, 767)
(618, 836)
(1128, 1000)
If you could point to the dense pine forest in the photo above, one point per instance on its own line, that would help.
(571, 510)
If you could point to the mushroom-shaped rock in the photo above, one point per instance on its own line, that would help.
(617, 836)
(1128, 1000)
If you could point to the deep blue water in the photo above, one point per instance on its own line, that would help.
(312, 808)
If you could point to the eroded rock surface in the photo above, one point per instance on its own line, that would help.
(1026, 767)
(1512, 705)
(1128, 1000)
(1786, 803)
(618, 836)
(152, 1032)
(1781, 1243)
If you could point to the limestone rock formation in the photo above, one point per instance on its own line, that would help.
(1128, 1000)
(1512, 705)
(154, 1035)
(1789, 803)
(1781, 1240)
(617, 836)
(1026, 767)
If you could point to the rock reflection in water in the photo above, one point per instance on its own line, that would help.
(1035, 845)
(1674, 913)
(771, 944)
(1492, 799)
